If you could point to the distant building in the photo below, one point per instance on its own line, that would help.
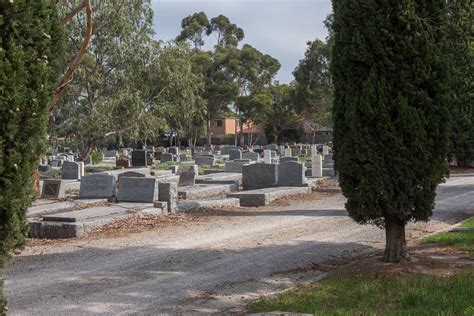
(224, 129)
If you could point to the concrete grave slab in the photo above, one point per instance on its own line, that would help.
(262, 197)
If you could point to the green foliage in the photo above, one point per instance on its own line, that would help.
(30, 47)
(194, 28)
(413, 295)
(461, 56)
(227, 32)
(313, 84)
(390, 107)
(462, 240)
(97, 156)
(107, 95)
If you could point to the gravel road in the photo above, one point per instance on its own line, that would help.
(213, 265)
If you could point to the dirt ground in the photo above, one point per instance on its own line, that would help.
(216, 261)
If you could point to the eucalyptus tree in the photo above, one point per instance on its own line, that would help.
(313, 84)
(106, 95)
(175, 90)
(194, 28)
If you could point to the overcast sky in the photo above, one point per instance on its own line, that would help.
(280, 28)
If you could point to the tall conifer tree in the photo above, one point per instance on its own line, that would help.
(30, 49)
(390, 111)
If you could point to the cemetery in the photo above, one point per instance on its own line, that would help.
(165, 157)
(158, 181)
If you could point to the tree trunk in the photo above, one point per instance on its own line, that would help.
(209, 121)
(396, 245)
(87, 150)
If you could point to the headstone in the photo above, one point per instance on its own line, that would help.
(297, 152)
(165, 157)
(250, 155)
(88, 160)
(139, 158)
(286, 159)
(234, 166)
(183, 157)
(258, 150)
(235, 154)
(150, 149)
(123, 162)
(259, 176)
(205, 160)
(81, 168)
(143, 190)
(287, 152)
(96, 186)
(110, 154)
(317, 166)
(173, 151)
(291, 174)
(272, 146)
(53, 189)
(71, 171)
(168, 192)
(187, 178)
(56, 163)
(325, 150)
(267, 156)
(44, 168)
(130, 174)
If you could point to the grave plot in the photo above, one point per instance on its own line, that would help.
(262, 197)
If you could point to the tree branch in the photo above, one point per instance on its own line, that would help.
(76, 62)
(71, 14)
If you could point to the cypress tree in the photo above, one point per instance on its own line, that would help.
(390, 111)
(461, 64)
(30, 47)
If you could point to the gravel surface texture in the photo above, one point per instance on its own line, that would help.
(213, 263)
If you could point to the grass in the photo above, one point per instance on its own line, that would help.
(461, 240)
(50, 174)
(165, 165)
(413, 295)
(99, 168)
(386, 295)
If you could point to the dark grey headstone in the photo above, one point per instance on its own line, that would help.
(287, 159)
(96, 186)
(131, 174)
(139, 158)
(143, 190)
(70, 170)
(291, 174)
(165, 157)
(187, 178)
(259, 176)
(53, 189)
(250, 155)
(235, 154)
(205, 160)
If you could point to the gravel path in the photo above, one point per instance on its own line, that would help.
(212, 265)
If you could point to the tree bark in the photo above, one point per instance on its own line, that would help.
(80, 55)
(396, 245)
(87, 150)
(209, 121)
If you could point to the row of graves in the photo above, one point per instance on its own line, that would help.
(76, 203)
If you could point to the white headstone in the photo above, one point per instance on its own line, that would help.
(325, 150)
(267, 156)
(287, 152)
(317, 166)
(314, 150)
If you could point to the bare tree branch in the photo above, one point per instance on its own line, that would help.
(71, 14)
(77, 61)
